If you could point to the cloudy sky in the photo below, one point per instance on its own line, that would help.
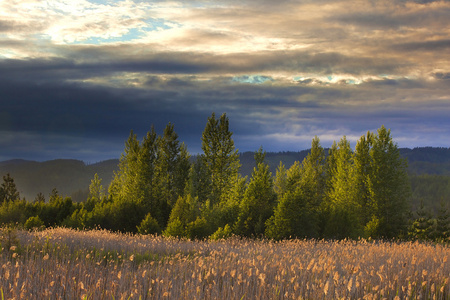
(77, 75)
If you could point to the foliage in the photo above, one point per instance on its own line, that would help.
(259, 200)
(220, 158)
(175, 228)
(8, 190)
(222, 233)
(388, 186)
(33, 223)
(158, 189)
(149, 226)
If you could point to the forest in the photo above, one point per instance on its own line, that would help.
(159, 189)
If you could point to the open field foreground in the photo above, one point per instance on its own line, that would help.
(67, 264)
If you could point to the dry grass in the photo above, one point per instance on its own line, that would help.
(67, 264)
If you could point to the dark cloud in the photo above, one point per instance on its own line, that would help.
(433, 45)
(283, 71)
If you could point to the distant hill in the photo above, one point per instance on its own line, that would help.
(69, 177)
(426, 160)
(72, 177)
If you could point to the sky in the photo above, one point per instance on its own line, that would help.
(77, 75)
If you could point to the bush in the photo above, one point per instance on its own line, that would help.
(77, 220)
(175, 228)
(198, 229)
(222, 233)
(149, 226)
(34, 223)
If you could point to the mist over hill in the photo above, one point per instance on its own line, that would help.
(72, 177)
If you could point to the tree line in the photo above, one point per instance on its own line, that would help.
(339, 193)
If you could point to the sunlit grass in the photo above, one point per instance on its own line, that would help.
(67, 264)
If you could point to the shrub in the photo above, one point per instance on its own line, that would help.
(149, 226)
(198, 229)
(175, 228)
(34, 223)
(222, 233)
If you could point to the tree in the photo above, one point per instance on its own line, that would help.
(172, 166)
(8, 190)
(297, 212)
(388, 185)
(199, 179)
(149, 225)
(422, 227)
(96, 193)
(313, 178)
(40, 198)
(443, 223)
(171, 172)
(362, 170)
(221, 159)
(344, 211)
(293, 217)
(280, 182)
(259, 199)
(152, 174)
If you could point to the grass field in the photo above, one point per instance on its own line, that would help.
(67, 264)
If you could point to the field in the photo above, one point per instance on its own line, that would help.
(67, 264)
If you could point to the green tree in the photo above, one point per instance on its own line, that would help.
(389, 186)
(149, 226)
(221, 159)
(313, 178)
(8, 190)
(362, 170)
(280, 181)
(297, 212)
(152, 174)
(443, 223)
(96, 193)
(169, 166)
(199, 179)
(185, 219)
(171, 172)
(344, 211)
(259, 199)
(294, 217)
(422, 227)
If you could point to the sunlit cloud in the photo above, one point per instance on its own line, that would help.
(284, 71)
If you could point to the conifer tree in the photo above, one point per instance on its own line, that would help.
(221, 159)
(199, 179)
(297, 212)
(362, 171)
(313, 180)
(280, 181)
(96, 190)
(344, 219)
(8, 190)
(96, 193)
(443, 223)
(259, 199)
(389, 187)
(422, 227)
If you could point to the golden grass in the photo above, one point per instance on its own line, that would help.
(68, 264)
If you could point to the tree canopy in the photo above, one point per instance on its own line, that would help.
(160, 189)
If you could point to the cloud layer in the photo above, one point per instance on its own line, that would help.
(77, 76)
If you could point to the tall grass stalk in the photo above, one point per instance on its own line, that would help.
(68, 264)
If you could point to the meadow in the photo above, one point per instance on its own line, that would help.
(64, 263)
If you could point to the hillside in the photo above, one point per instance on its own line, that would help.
(72, 177)
(69, 177)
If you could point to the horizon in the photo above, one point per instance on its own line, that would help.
(77, 76)
(91, 162)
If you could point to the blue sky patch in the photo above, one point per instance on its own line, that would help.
(253, 79)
